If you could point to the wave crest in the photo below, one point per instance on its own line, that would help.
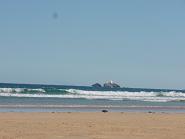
(87, 94)
(19, 90)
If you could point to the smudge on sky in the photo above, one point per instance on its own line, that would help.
(55, 15)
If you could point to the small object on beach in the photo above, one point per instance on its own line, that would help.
(151, 112)
(104, 111)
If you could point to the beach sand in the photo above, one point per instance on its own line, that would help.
(95, 125)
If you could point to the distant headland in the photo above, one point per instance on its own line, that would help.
(109, 84)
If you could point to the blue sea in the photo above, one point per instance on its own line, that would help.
(60, 98)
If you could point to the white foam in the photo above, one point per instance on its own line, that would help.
(11, 90)
(38, 90)
(109, 95)
(174, 94)
(120, 95)
(19, 90)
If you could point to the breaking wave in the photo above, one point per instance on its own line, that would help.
(152, 96)
(19, 90)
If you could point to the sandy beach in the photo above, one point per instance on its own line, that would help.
(92, 126)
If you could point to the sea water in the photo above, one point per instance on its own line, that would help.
(43, 98)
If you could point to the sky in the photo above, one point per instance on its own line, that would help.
(136, 43)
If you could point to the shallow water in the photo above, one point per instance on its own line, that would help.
(21, 97)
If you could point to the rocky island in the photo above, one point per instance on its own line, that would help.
(109, 84)
(97, 85)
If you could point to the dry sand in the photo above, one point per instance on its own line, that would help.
(92, 126)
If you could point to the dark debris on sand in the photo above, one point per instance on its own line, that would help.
(104, 111)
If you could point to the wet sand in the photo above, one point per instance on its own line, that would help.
(94, 125)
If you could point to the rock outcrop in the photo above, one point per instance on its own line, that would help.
(96, 85)
(111, 84)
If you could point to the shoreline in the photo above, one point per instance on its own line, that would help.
(90, 108)
(92, 125)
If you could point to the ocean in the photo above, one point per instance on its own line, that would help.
(60, 98)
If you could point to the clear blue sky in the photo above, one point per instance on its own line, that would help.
(138, 43)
